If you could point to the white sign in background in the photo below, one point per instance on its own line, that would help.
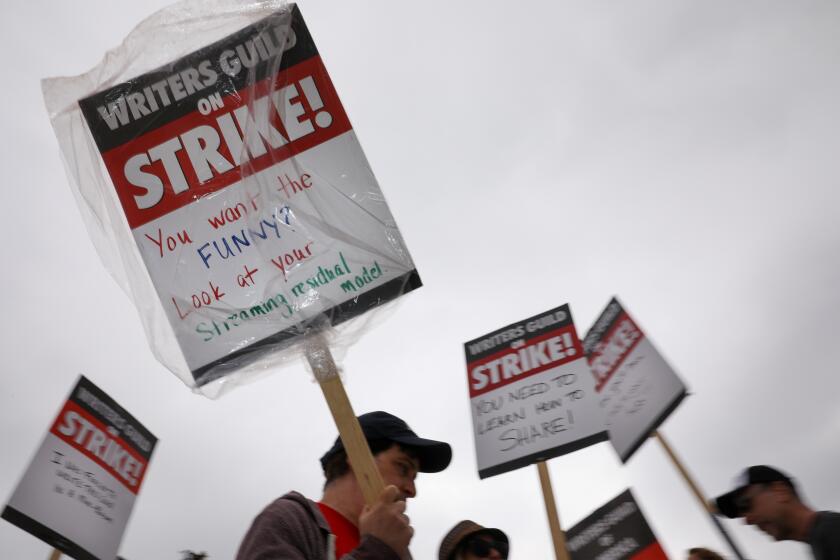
(636, 387)
(79, 489)
(75, 497)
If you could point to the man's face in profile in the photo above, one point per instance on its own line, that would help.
(400, 469)
(765, 506)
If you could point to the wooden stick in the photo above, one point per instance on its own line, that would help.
(557, 534)
(687, 477)
(698, 494)
(367, 474)
(55, 554)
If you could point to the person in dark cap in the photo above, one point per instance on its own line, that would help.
(340, 525)
(768, 498)
(468, 540)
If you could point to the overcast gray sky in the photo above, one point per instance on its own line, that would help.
(682, 155)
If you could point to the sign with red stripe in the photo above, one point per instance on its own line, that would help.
(617, 530)
(101, 444)
(531, 393)
(636, 387)
(248, 195)
(254, 128)
(79, 489)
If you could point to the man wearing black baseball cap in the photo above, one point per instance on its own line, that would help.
(340, 525)
(767, 498)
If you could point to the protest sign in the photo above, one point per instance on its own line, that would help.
(80, 487)
(636, 388)
(531, 394)
(615, 531)
(248, 195)
(637, 391)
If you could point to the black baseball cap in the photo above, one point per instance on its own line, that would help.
(433, 456)
(727, 504)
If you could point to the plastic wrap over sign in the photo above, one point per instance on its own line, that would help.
(246, 194)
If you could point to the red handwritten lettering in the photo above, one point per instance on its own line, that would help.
(287, 261)
(170, 242)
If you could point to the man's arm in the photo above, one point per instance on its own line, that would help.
(371, 548)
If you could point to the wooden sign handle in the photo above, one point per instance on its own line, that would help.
(557, 534)
(55, 554)
(704, 503)
(367, 474)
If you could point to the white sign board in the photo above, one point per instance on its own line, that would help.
(79, 489)
(531, 394)
(636, 388)
(248, 195)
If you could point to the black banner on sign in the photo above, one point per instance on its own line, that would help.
(604, 324)
(105, 409)
(615, 531)
(531, 327)
(52, 538)
(144, 104)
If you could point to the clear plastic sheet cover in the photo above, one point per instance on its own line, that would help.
(224, 189)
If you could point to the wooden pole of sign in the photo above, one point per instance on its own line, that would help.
(55, 554)
(698, 494)
(367, 474)
(557, 534)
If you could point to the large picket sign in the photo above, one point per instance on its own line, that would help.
(637, 389)
(531, 393)
(616, 531)
(248, 194)
(80, 487)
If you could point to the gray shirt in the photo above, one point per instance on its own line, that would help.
(292, 528)
(824, 536)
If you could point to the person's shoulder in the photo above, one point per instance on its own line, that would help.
(828, 516)
(289, 506)
(825, 536)
(286, 528)
(290, 514)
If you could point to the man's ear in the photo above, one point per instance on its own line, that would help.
(782, 491)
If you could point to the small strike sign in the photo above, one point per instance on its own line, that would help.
(80, 487)
(532, 396)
